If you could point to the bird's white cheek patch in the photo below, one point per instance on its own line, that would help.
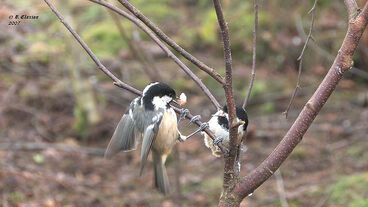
(161, 102)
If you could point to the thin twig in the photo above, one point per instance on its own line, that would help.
(281, 188)
(300, 59)
(253, 75)
(361, 73)
(163, 47)
(171, 43)
(117, 82)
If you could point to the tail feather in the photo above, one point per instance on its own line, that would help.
(161, 179)
(123, 137)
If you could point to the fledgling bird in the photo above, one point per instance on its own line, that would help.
(152, 116)
(219, 125)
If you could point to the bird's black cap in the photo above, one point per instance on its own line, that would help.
(240, 113)
(156, 89)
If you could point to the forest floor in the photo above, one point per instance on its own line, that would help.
(43, 162)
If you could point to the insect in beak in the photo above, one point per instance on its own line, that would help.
(181, 100)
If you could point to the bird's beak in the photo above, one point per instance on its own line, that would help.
(179, 102)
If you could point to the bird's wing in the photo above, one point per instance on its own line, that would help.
(149, 136)
(124, 134)
(123, 137)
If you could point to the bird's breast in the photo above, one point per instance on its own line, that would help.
(167, 134)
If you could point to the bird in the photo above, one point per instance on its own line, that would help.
(219, 125)
(152, 117)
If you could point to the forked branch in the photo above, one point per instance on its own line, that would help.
(116, 80)
(229, 168)
(342, 63)
(163, 47)
(171, 43)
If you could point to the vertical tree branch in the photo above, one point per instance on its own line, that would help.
(342, 63)
(170, 42)
(254, 58)
(300, 59)
(229, 175)
(164, 48)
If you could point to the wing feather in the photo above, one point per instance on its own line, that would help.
(149, 136)
(123, 138)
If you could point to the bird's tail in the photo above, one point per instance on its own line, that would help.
(161, 178)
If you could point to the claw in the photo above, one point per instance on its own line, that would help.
(201, 128)
(195, 118)
(183, 114)
(218, 140)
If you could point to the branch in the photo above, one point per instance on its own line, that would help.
(253, 75)
(295, 134)
(229, 160)
(352, 8)
(300, 58)
(163, 47)
(171, 43)
(117, 82)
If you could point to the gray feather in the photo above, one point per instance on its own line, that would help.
(161, 178)
(148, 138)
(123, 138)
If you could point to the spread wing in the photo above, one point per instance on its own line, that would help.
(124, 135)
(149, 136)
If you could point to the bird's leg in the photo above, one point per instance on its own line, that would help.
(201, 128)
(218, 140)
(183, 114)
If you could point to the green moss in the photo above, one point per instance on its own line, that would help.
(351, 191)
(104, 38)
(16, 197)
(299, 153)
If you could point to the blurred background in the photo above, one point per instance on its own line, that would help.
(58, 111)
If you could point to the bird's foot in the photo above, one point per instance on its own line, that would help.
(218, 140)
(183, 114)
(195, 118)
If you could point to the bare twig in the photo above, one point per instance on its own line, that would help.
(253, 75)
(163, 47)
(171, 43)
(352, 8)
(325, 53)
(281, 189)
(117, 82)
(300, 58)
(295, 134)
